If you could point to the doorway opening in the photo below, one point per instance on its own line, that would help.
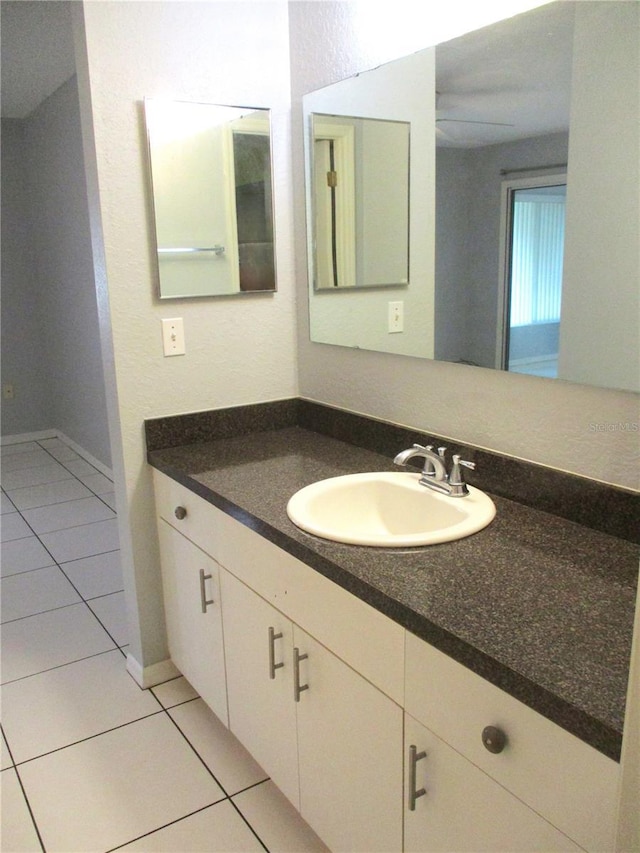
(533, 222)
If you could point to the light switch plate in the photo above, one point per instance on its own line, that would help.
(396, 317)
(173, 336)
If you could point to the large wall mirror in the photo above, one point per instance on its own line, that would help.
(212, 192)
(524, 204)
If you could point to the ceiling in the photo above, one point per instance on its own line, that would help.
(482, 77)
(515, 75)
(37, 52)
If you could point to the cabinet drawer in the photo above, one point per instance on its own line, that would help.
(199, 521)
(452, 805)
(561, 777)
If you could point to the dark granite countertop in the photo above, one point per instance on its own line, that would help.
(538, 605)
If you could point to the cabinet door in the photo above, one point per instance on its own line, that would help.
(349, 747)
(258, 643)
(194, 621)
(458, 807)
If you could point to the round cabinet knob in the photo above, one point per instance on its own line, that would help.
(494, 739)
(180, 512)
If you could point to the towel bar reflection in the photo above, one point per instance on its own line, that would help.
(217, 250)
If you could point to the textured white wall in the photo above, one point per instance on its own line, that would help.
(24, 362)
(66, 297)
(563, 425)
(602, 254)
(239, 349)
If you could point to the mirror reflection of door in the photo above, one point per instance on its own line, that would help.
(334, 201)
(532, 274)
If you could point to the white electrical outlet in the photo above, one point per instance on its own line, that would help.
(173, 336)
(396, 317)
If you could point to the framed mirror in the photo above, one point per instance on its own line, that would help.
(527, 117)
(212, 192)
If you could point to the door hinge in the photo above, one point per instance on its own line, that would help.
(332, 179)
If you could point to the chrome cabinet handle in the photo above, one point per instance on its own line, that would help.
(180, 512)
(297, 687)
(272, 652)
(204, 601)
(414, 757)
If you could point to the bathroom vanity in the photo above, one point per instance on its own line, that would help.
(463, 696)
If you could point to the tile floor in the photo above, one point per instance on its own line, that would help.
(90, 762)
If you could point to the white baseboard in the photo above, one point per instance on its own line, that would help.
(85, 455)
(55, 433)
(28, 436)
(149, 676)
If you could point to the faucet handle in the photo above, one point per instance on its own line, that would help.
(456, 480)
(458, 461)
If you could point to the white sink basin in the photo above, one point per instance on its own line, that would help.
(387, 510)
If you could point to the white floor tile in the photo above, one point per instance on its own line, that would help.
(174, 692)
(50, 473)
(59, 450)
(82, 699)
(218, 829)
(6, 506)
(18, 832)
(223, 753)
(79, 466)
(6, 757)
(97, 482)
(276, 821)
(51, 639)
(13, 526)
(19, 447)
(97, 575)
(111, 611)
(46, 519)
(48, 493)
(88, 796)
(35, 592)
(85, 541)
(31, 459)
(23, 555)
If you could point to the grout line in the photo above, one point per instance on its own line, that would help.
(60, 665)
(201, 759)
(88, 738)
(228, 797)
(24, 793)
(164, 826)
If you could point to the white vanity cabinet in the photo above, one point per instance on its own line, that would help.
(191, 587)
(353, 717)
(560, 777)
(326, 736)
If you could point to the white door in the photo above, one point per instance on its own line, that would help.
(194, 622)
(349, 746)
(258, 643)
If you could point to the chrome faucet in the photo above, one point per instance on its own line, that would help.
(434, 474)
